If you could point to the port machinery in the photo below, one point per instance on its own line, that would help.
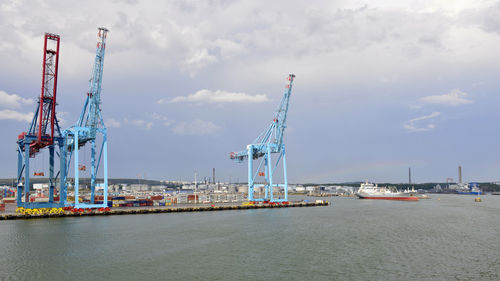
(44, 132)
(90, 128)
(269, 142)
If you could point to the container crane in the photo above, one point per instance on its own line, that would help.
(269, 142)
(44, 132)
(89, 127)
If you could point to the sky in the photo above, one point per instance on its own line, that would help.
(381, 86)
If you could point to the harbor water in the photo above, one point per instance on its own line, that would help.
(448, 237)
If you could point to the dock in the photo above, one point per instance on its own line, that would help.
(157, 210)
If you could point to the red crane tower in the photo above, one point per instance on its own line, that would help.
(41, 132)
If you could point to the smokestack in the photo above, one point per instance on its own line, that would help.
(213, 175)
(459, 174)
(409, 176)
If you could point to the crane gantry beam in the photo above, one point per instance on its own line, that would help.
(269, 142)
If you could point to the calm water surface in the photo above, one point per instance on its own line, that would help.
(448, 237)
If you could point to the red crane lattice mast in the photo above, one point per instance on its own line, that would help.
(42, 126)
(41, 134)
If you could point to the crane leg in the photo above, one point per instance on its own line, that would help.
(77, 175)
(269, 187)
(105, 147)
(250, 173)
(284, 174)
(62, 168)
(26, 173)
(19, 175)
(92, 171)
(51, 174)
(266, 171)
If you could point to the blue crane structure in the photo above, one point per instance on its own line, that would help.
(88, 129)
(269, 142)
(44, 132)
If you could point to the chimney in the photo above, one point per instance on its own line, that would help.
(459, 174)
(213, 176)
(409, 176)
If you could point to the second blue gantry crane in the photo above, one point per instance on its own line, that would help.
(269, 142)
(89, 128)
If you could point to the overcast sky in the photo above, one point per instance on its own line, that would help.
(381, 86)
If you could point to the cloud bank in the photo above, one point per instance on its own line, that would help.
(218, 96)
(7, 114)
(454, 98)
(412, 125)
(196, 127)
(13, 101)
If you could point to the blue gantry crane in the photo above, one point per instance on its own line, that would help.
(44, 132)
(269, 142)
(90, 128)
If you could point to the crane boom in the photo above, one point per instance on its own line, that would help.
(282, 113)
(93, 118)
(273, 134)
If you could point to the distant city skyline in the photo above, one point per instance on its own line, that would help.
(381, 86)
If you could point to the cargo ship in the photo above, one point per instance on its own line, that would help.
(469, 189)
(372, 191)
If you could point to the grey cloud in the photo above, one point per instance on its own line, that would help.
(486, 17)
(195, 127)
(13, 100)
(7, 114)
(200, 34)
(415, 124)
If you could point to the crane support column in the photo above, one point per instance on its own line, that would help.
(266, 179)
(51, 173)
(285, 175)
(77, 175)
(63, 171)
(250, 173)
(105, 148)
(20, 168)
(27, 173)
(92, 171)
(269, 185)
